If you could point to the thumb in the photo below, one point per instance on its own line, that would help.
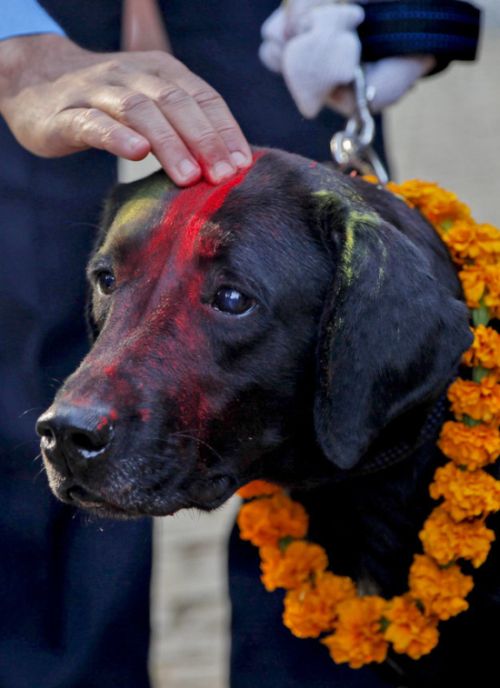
(392, 77)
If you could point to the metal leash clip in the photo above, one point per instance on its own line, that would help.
(352, 148)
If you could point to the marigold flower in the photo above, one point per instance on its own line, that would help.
(492, 296)
(445, 540)
(469, 241)
(312, 608)
(291, 568)
(474, 279)
(466, 493)
(410, 631)
(258, 488)
(437, 204)
(485, 349)
(358, 637)
(266, 521)
(488, 243)
(461, 241)
(472, 447)
(442, 592)
(479, 400)
(481, 281)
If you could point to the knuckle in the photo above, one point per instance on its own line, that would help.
(129, 103)
(110, 133)
(166, 140)
(208, 141)
(84, 122)
(112, 66)
(171, 96)
(228, 130)
(206, 96)
(85, 118)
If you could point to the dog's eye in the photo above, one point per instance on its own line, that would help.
(106, 281)
(232, 301)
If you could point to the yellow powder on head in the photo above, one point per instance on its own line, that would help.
(357, 220)
(138, 209)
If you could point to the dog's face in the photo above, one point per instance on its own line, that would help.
(205, 303)
(208, 307)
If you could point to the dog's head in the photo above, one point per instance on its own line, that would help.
(278, 309)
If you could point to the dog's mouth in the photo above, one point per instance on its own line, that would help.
(205, 493)
(81, 497)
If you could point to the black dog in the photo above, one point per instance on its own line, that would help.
(294, 325)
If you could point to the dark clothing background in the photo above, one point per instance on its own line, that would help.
(74, 592)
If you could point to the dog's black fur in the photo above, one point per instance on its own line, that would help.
(331, 384)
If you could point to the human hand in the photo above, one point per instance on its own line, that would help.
(58, 98)
(315, 45)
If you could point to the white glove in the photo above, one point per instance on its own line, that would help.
(314, 44)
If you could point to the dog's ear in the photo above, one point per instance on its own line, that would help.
(391, 335)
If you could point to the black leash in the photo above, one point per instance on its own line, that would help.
(446, 29)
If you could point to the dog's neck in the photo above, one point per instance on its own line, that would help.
(368, 518)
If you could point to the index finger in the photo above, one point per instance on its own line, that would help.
(220, 116)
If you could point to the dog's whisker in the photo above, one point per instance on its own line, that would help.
(40, 472)
(92, 225)
(14, 449)
(187, 436)
(30, 410)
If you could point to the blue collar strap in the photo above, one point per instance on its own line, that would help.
(447, 29)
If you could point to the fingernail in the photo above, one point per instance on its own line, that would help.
(240, 159)
(221, 170)
(188, 169)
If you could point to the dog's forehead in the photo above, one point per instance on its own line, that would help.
(159, 221)
(142, 207)
(156, 216)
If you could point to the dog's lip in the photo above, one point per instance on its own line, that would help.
(210, 491)
(83, 497)
(80, 496)
(205, 493)
(77, 495)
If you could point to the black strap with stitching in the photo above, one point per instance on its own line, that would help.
(447, 29)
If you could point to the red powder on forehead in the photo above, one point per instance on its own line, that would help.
(191, 209)
(171, 244)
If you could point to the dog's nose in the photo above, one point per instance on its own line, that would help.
(71, 436)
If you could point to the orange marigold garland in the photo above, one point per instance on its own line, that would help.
(358, 637)
(312, 608)
(361, 629)
(410, 630)
(441, 591)
(290, 568)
